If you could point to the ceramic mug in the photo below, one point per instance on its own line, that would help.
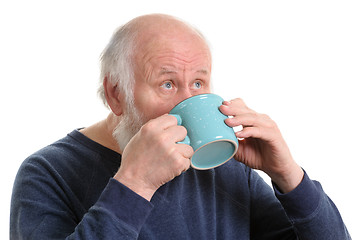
(213, 141)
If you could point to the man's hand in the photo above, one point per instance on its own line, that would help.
(263, 146)
(153, 157)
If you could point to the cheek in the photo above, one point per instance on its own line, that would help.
(152, 109)
(163, 108)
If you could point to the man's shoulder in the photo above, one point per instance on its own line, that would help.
(60, 151)
(62, 158)
(69, 164)
(67, 169)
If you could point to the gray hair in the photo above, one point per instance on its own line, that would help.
(116, 63)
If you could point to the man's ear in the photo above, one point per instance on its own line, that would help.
(113, 96)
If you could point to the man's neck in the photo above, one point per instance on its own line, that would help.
(101, 132)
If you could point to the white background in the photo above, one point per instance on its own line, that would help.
(299, 62)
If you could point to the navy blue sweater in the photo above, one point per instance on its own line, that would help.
(66, 191)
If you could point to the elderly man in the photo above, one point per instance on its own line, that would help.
(127, 178)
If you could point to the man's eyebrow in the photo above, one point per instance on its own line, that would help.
(166, 70)
(203, 71)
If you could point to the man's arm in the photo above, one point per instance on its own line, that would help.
(110, 217)
(312, 212)
(304, 213)
(43, 207)
(40, 199)
(264, 148)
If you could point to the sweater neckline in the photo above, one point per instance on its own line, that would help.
(95, 146)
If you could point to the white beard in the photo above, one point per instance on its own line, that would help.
(128, 126)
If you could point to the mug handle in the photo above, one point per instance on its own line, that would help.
(186, 140)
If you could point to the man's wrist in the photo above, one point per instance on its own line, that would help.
(136, 187)
(290, 179)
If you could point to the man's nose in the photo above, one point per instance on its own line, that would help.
(186, 93)
(181, 96)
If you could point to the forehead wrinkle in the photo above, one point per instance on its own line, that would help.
(177, 63)
(164, 70)
(167, 70)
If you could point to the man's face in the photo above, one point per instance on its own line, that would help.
(169, 69)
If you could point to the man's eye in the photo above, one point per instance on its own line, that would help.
(167, 85)
(197, 85)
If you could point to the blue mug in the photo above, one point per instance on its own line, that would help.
(213, 141)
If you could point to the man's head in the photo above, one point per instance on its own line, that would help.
(152, 63)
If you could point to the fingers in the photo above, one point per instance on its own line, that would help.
(250, 119)
(254, 124)
(234, 107)
(182, 162)
(254, 132)
(163, 122)
(185, 150)
(167, 133)
(258, 128)
(163, 128)
(153, 157)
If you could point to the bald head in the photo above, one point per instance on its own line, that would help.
(132, 40)
(155, 28)
(161, 24)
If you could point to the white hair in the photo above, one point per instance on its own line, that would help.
(116, 63)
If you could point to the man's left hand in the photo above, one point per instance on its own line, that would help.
(263, 146)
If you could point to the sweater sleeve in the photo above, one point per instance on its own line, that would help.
(304, 213)
(119, 214)
(312, 212)
(42, 208)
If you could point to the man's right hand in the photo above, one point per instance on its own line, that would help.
(153, 157)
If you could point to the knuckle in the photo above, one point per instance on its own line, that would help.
(171, 152)
(264, 116)
(254, 118)
(255, 115)
(238, 100)
(179, 164)
(259, 132)
(162, 141)
(269, 123)
(148, 127)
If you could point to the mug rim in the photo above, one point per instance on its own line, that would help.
(220, 140)
(195, 96)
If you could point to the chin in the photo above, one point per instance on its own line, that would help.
(129, 124)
